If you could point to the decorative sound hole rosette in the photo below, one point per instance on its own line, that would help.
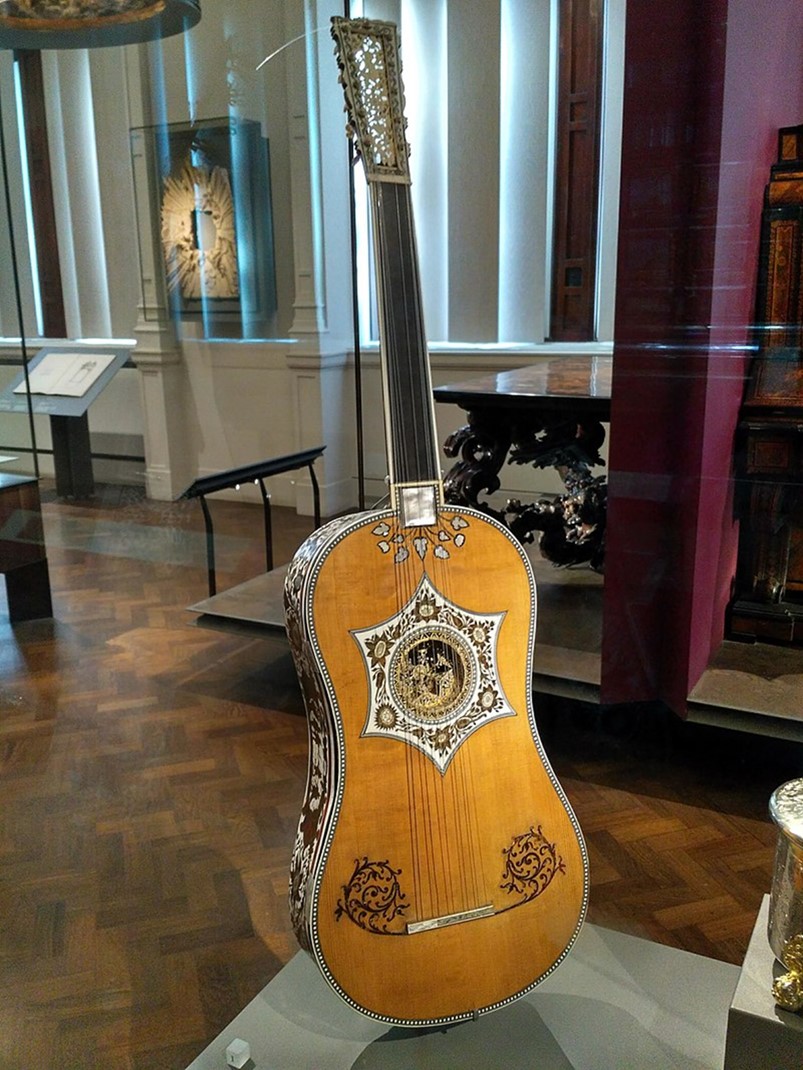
(432, 674)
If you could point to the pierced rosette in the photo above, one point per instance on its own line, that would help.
(432, 674)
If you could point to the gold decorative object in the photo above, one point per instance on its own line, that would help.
(40, 24)
(788, 988)
(194, 268)
(786, 899)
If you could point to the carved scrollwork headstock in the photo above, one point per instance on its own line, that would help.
(370, 72)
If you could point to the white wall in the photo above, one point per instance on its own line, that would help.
(215, 405)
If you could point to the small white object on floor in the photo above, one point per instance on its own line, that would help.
(238, 1053)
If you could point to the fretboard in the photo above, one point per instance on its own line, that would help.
(412, 446)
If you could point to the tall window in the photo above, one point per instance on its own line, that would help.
(14, 132)
(482, 100)
(579, 101)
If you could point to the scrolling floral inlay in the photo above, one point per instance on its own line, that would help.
(320, 722)
(373, 898)
(531, 862)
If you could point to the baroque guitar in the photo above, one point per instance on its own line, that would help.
(439, 871)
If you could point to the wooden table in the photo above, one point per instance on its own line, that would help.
(558, 385)
(548, 414)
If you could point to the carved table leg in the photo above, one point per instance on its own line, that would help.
(572, 526)
(482, 445)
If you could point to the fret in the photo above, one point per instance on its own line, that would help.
(412, 450)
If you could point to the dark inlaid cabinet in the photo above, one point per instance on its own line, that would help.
(22, 549)
(769, 582)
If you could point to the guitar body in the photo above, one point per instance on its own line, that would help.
(439, 871)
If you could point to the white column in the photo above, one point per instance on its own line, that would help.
(523, 170)
(322, 386)
(424, 48)
(9, 321)
(169, 449)
(169, 466)
(323, 414)
(473, 103)
(305, 170)
(116, 187)
(76, 192)
(613, 76)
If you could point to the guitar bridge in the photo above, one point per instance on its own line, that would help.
(449, 919)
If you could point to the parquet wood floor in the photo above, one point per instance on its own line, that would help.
(151, 773)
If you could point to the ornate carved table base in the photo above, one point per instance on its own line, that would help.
(548, 415)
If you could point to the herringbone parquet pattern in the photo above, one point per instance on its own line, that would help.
(675, 817)
(151, 773)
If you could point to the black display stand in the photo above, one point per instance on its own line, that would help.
(253, 473)
(69, 423)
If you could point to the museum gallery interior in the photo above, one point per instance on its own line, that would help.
(401, 534)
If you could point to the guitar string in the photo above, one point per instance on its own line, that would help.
(425, 467)
(411, 433)
(419, 790)
(451, 789)
(444, 830)
(424, 450)
(426, 471)
(459, 777)
(422, 866)
(394, 461)
(453, 786)
(403, 435)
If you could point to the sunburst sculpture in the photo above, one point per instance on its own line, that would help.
(194, 271)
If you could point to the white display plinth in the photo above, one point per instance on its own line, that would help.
(761, 1034)
(616, 1003)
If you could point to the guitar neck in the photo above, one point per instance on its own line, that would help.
(409, 413)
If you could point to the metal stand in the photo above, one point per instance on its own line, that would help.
(253, 473)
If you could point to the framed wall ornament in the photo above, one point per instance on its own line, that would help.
(203, 190)
(198, 232)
